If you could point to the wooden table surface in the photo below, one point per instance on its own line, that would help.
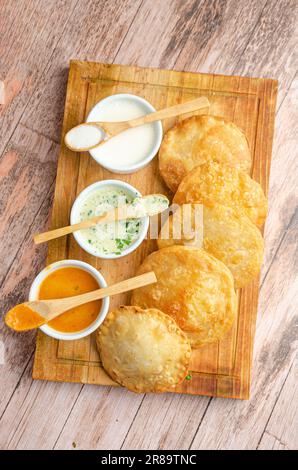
(37, 40)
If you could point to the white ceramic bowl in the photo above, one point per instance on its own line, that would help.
(33, 295)
(75, 217)
(157, 126)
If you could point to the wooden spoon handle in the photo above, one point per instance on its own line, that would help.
(67, 303)
(172, 111)
(60, 232)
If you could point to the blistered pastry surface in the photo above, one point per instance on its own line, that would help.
(215, 182)
(194, 288)
(226, 234)
(197, 140)
(143, 350)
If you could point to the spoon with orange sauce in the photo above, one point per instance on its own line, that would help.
(30, 315)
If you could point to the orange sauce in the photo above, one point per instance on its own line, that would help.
(67, 282)
(22, 318)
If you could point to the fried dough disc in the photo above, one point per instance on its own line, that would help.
(143, 350)
(194, 288)
(215, 182)
(229, 236)
(197, 140)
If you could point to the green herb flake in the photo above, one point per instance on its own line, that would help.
(188, 377)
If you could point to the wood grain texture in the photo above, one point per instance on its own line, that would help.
(27, 169)
(95, 30)
(218, 370)
(206, 36)
(28, 262)
(2, 93)
(23, 57)
(282, 428)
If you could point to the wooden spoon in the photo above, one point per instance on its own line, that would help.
(140, 207)
(30, 315)
(100, 132)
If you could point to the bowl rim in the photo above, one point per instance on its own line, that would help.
(75, 209)
(33, 295)
(158, 131)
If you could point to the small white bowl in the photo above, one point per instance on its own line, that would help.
(34, 290)
(75, 218)
(157, 126)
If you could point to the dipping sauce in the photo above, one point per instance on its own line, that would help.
(148, 205)
(113, 237)
(67, 282)
(22, 318)
(83, 136)
(131, 146)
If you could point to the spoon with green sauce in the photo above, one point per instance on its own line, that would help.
(140, 207)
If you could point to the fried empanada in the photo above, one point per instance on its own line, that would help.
(197, 140)
(215, 182)
(224, 233)
(194, 288)
(143, 350)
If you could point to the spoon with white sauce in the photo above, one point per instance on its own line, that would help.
(90, 135)
(140, 207)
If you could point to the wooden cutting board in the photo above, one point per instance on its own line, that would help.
(222, 369)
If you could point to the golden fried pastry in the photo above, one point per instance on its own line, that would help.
(215, 182)
(229, 236)
(197, 140)
(194, 288)
(143, 350)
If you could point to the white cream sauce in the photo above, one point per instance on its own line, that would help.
(84, 136)
(131, 146)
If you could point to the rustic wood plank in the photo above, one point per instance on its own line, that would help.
(283, 179)
(30, 259)
(47, 404)
(100, 421)
(283, 183)
(270, 442)
(222, 54)
(262, 45)
(27, 169)
(23, 55)
(271, 50)
(13, 366)
(282, 428)
(159, 35)
(281, 222)
(102, 44)
(2, 92)
(160, 32)
(166, 422)
(274, 352)
(69, 427)
(95, 31)
(210, 46)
